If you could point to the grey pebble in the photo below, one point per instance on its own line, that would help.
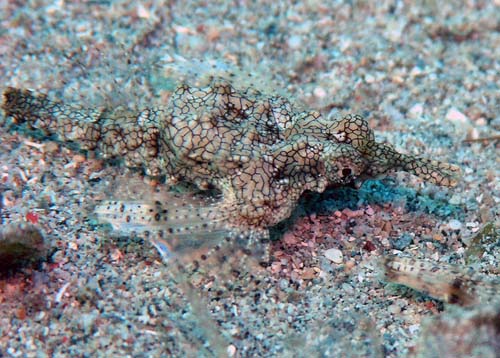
(394, 309)
(284, 284)
(402, 242)
(347, 288)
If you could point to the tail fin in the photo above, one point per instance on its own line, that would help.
(133, 137)
(23, 106)
(70, 123)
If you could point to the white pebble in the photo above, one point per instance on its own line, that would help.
(394, 309)
(416, 71)
(295, 42)
(455, 115)
(334, 255)
(319, 92)
(369, 78)
(454, 224)
(231, 350)
(455, 199)
(143, 13)
(361, 277)
(416, 110)
(414, 328)
(40, 316)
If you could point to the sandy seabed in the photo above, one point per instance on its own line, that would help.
(426, 76)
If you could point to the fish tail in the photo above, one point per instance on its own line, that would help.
(69, 123)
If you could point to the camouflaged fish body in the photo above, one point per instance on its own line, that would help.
(260, 151)
(455, 284)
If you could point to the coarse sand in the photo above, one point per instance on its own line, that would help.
(426, 76)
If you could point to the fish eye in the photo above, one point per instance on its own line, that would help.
(346, 172)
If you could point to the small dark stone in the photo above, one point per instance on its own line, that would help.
(21, 245)
(369, 246)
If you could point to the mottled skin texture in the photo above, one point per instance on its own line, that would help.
(260, 151)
